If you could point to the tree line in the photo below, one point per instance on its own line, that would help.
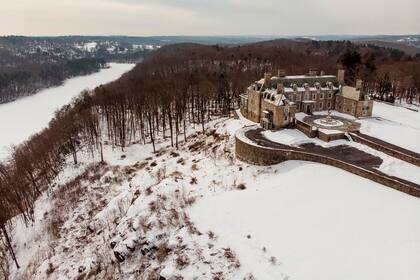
(176, 86)
(28, 78)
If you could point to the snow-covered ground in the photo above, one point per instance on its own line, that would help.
(28, 115)
(199, 213)
(394, 124)
(316, 222)
(294, 137)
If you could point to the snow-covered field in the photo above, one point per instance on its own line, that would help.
(199, 213)
(318, 222)
(394, 124)
(28, 115)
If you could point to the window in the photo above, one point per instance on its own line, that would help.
(321, 96)
(321, 105)
(297, 97)
(298, 106)
(306, 96)
(330, 95)
(244, 102)
(314, 96)
(329, 105)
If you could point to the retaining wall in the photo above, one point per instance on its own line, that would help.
(260, 155)
(306, 129)
(385, 149)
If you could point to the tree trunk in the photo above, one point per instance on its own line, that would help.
(9, 245)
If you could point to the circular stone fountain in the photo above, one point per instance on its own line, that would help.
(328, 121)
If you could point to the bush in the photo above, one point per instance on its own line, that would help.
(193, 181)
(194, 167)
(241, 186)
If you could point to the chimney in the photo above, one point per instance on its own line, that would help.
(340, 76)
(359, 84)
(267, 79)
(281, 73)
(280, 88)
(313, 72)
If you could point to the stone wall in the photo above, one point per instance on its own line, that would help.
(312, 133)
(352, 107)
(361, 105)
(259, 155)
(387, 150)
(330, 137)
(254, 106)
(306, 129)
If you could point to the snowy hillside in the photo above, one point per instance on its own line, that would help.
(199, 213)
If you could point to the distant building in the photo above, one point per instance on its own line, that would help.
(274, 101)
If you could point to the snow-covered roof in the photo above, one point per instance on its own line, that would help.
(272, 96)
(330, 131)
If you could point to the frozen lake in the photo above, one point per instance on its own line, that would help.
(26, 116)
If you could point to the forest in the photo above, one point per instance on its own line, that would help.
(176, 86)
(29, 64)
(28, 79)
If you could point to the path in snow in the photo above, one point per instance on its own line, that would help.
(320, 222)
(26, 116)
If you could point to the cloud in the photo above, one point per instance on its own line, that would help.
(206, 17)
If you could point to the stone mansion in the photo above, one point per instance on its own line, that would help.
(274, 100)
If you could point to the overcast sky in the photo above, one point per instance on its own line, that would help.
(208, 17)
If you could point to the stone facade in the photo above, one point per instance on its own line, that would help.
(274, 101)
(351, 101)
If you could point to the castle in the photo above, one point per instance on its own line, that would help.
(274, 100)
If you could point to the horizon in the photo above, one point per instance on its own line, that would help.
(303, 36)
(214, 18)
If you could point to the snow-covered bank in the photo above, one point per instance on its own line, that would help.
(318, 222)
(28, 115)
